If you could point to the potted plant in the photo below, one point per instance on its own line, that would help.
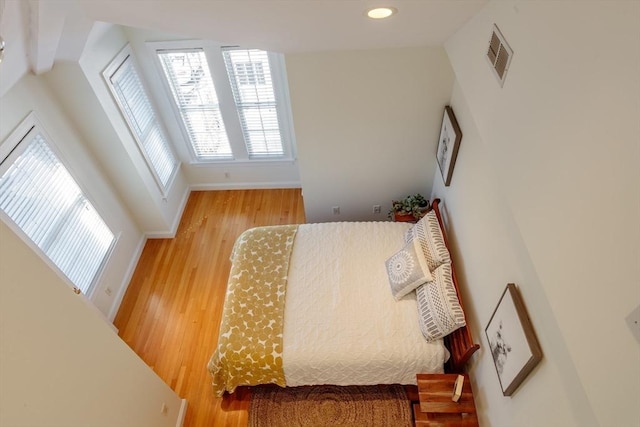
(411, 208)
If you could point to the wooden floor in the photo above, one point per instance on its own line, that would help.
(171, 312)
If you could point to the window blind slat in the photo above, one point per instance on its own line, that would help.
(191, 84)
(41, 197)
(249, 74)
(142, 120)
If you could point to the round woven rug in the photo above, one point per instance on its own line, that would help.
(315, 406)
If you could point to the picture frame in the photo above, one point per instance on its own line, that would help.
(448, 144)
(512, 341)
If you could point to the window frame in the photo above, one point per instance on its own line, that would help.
(279, 103)
(12, 145)
(118, 61)
(178, 110)
(228, 109)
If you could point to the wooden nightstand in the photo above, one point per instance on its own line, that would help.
(436, 409)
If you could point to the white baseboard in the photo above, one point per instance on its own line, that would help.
(182, 414)
(247, 186)
(127, 279)
(176, 221)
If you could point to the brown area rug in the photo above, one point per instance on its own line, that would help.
(323, 406)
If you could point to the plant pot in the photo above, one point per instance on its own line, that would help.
(398, 217)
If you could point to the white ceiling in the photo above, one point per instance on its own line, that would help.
(293, 25)
(53, 30)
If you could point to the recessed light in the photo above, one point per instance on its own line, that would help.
(381, 12)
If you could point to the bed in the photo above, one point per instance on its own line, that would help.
(346, 303)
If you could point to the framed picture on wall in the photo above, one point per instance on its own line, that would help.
(448, 144)
(513, 343)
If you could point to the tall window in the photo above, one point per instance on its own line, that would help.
(232, 102)
(45, 202)
(250, 76)
(195, 96)
(125, 84)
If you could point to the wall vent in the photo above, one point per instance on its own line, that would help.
(499, 54)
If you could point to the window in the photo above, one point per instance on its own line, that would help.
(125, 84)
(45, 202)
(195, 95)
(233, 103)
(255, 98)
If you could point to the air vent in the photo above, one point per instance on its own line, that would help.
(499, 54)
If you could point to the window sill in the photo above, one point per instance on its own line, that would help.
(241, 163)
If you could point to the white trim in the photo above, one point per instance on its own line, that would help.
(30, 124)
(218, 75)
(217, 68)
(152, 48)
(178, 217)
(245, 163)
(182, 413)
(118, 61)
(17, 135)
(117, 301)
(159, 235)
(273, 185)
(176, 221)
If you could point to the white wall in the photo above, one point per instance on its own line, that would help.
(32, 94)
(61, 364)
(489, 253)
(15, 32)
(367, 123)
(82, 91)
(546, 194)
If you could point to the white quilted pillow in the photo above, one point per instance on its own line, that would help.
(439, 311)
(407, 269)
(428, 233)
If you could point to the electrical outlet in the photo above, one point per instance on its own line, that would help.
(164, 409)
(377, 209)
(336, 210)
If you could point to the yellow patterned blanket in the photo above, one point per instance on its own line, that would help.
(249, 348)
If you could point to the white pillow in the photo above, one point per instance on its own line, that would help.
(407, 269)
(428, 233)
(439, 311)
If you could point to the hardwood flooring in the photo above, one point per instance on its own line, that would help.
(171, 312)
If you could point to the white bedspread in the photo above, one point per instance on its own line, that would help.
(342, 326)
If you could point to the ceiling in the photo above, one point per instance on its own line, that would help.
(40, 32)
(293, 25)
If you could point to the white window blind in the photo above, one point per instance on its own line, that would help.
(252, 85)
(142, 120)
(42, 198)
(188, 75)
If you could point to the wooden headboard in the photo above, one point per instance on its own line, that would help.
(460, 343)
